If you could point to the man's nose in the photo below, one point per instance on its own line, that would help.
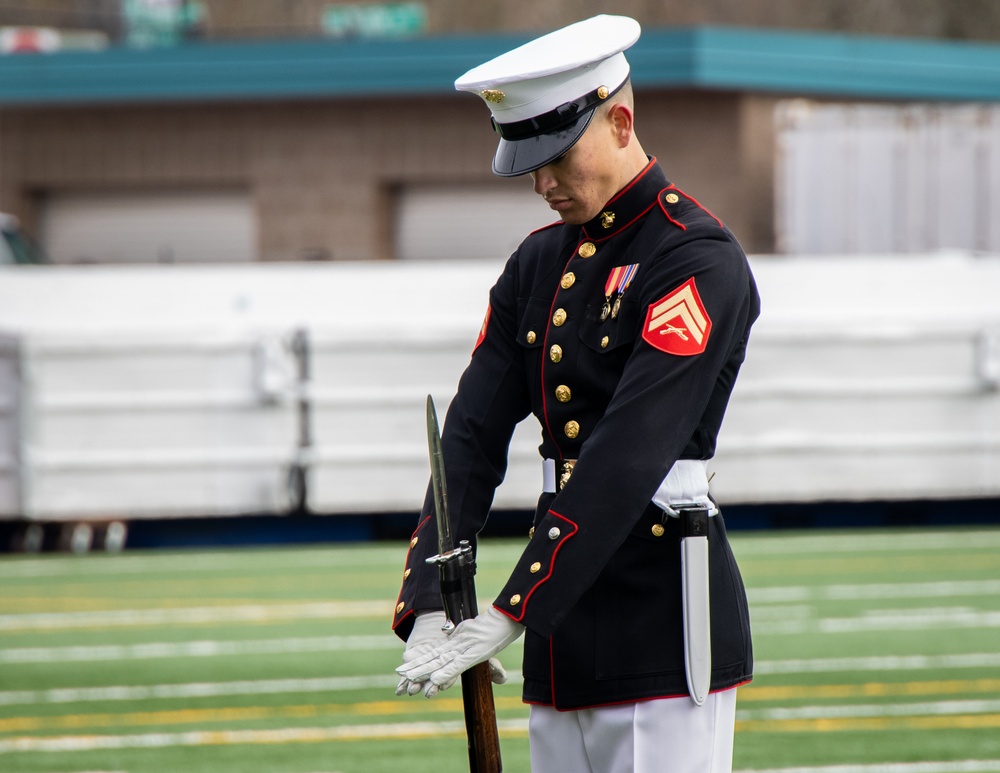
(543, 179)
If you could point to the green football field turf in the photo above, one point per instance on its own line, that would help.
(877, 652)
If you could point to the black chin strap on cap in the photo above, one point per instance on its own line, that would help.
(513, 159)
(554, 120)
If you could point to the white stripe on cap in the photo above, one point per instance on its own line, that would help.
(556, 68)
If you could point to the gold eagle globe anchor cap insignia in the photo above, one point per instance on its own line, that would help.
(542, 95)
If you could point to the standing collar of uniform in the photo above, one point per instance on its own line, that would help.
(630, 203)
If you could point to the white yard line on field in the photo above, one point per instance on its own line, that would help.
(760, 598)
(197, 649)
(408, 730)
(747, 546)
(930, 619)
(848, 542)
(97, 565)
(198, 689)
(214, 648)
(881, 664)
(870, 591)
(912, 620)
(820, 718)
(241, 613)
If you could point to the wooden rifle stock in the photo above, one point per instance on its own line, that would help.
(481, 720)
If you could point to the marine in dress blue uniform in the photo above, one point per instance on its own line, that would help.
(623, 336)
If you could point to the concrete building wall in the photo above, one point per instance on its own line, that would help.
(323, 175)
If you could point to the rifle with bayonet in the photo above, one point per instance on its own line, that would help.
(457, 568)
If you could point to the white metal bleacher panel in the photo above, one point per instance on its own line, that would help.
(158, 391)
(10, 437)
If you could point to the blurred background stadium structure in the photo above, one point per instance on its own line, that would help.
(242, 241)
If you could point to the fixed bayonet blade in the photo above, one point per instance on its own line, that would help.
(457, 569)
(445, 545)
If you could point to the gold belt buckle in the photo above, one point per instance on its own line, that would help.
(564, 468)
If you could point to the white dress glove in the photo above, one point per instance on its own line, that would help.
(473, 641)
(426, 635)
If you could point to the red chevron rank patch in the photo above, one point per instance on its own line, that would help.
(678, 323)
(482, 330)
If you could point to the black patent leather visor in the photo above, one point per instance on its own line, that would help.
(516, 157)
(532, 143)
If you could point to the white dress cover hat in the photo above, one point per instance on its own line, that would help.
(542, 95)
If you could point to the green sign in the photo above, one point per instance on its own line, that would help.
(392, 20)
(160, 22)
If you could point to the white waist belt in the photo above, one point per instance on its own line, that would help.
(685, 484)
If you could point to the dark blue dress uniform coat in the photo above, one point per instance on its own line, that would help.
(598, 586)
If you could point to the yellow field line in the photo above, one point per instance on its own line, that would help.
(423, 729)
(288, 735)
(757, 692)
(242, 714)
(831, 725)
(440, 705)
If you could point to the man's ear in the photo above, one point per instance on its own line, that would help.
(620, 116)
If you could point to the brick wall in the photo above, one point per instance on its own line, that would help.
(322, 174)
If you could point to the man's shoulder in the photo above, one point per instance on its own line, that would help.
(683, 212)
(555, 230)
(544, 241)
(689, 237)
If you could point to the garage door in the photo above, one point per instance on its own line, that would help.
(137, 227)
(868, 178)
(467, 222)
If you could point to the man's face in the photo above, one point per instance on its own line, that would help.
(578, 184)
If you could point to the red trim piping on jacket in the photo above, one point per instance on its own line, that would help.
(631, 222)
(406, 564)
(552, 566)
(672, 696)
(693, 200)
(635, 181)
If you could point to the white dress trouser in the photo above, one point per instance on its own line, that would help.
(671, 735)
